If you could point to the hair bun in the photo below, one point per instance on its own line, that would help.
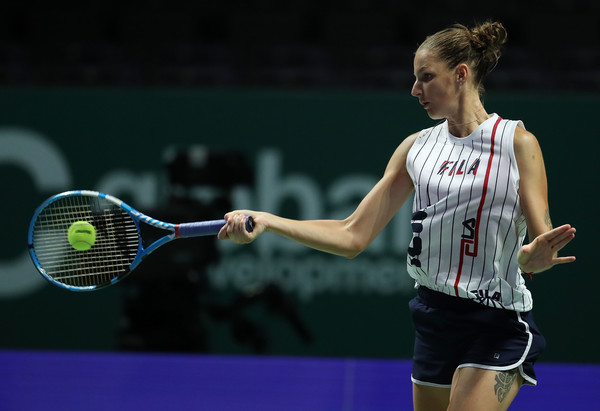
(489, 37)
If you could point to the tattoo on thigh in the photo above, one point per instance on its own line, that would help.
(504, 381)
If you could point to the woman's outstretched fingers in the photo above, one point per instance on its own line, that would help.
(563, 260)
(562, 236)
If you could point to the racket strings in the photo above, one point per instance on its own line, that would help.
(117, 241)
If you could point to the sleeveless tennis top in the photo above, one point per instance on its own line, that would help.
(467, 221)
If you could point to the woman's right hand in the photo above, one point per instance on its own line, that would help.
(235, 226)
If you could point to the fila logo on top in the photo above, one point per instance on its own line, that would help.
(458, 167)
(484, 297)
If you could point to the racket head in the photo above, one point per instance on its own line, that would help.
(115, 253)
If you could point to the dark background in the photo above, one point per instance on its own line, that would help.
(327, 81)
(553, 45)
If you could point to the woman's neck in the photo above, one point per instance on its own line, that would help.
(467, 120)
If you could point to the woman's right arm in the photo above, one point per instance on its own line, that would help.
(348, 237)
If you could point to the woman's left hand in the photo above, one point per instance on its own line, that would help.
(541, 254)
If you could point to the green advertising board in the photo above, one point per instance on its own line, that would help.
(310, 154)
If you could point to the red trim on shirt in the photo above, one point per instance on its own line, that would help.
(465, 243)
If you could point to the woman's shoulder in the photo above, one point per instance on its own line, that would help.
(524, 137)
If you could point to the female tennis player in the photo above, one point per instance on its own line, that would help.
(479, 187)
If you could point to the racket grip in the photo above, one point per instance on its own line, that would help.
(206, 228)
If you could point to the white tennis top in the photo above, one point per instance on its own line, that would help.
(467, 221)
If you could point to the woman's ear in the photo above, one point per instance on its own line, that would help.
(462, 73)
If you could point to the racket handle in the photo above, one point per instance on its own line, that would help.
(205, 228)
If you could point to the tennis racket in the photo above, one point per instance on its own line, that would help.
(118, 248)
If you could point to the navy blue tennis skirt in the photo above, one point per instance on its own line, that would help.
(454, 332)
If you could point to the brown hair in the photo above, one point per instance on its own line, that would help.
(478, 47)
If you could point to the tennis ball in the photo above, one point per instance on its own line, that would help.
(82, 235)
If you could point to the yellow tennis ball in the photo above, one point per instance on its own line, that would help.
(82, 235)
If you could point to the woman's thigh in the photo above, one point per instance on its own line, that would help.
(428, 398)
(480, 389)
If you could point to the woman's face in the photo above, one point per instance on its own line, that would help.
(436, 85)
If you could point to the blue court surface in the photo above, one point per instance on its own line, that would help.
(32, 380)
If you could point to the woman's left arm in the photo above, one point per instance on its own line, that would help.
(542, 252)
